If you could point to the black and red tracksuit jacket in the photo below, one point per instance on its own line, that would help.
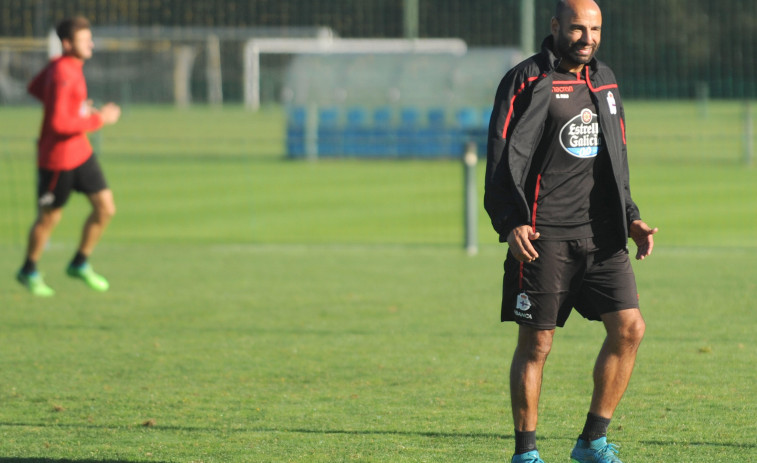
(515, 129)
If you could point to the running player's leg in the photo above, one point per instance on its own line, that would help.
(89, 179)
(42, 228)
(53, 190)
(103, 210)
(39, 234)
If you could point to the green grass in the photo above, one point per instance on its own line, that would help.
(265, 310)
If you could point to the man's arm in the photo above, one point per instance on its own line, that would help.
(36, 87)
(67, 115)
(501, 199)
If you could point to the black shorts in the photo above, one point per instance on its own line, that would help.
(55, 186)
(580, 274)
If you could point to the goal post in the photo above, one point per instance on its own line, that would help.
(332, 45)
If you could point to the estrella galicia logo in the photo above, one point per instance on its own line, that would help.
(581, 136)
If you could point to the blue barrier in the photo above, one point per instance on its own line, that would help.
(388, 132)
(382, 135)
(407, 132)
(295, 132)
(474, 126)
(330, 133)
(435, 137)
(356, 132)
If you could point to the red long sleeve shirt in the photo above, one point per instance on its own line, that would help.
(61, 88)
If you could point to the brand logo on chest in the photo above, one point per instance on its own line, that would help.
(581, 136)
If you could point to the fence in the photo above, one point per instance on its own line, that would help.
(670, 49)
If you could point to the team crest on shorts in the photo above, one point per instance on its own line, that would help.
(47, 199)
(523, 302)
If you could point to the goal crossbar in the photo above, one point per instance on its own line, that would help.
(326, 45)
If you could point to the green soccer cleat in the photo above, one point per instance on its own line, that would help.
(528, 457)
(596, 451)
(35, 284)
(92, 279)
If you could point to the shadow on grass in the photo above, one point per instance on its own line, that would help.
(483, 435)
(359, 432)
(197, 429)
(55, 460)
(735, 445)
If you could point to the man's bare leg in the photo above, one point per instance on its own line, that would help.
(103, 210)
(39, 234)
(612, 373)
(525, 383)
(614, 365)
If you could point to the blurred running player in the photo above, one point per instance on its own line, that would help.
(65, 159)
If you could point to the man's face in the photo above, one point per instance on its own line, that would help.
(577, 35)
(81, 46)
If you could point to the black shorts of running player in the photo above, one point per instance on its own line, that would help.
(54, 187)
(581, 274)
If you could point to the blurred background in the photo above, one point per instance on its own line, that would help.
(146, 48)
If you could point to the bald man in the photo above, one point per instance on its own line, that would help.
(557, 191)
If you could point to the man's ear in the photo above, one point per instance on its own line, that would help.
(67, 45)
(555, 27)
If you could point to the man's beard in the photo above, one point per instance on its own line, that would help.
(570, 51)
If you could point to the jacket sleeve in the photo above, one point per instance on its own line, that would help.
(66, 115)
(501, 198)
(631, 210)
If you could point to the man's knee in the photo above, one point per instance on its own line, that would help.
(627, 327)
(533, 344)
(108, 211)
(635, 330)
(48, 218)
(103, 206)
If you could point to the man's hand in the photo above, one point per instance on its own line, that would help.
(519, 241)
(642, 235)
(110, 113)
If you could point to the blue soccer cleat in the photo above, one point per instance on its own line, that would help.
(528, 457)
(596, 451)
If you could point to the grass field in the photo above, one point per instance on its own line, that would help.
(264, 310)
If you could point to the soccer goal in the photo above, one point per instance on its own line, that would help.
(329, 44)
